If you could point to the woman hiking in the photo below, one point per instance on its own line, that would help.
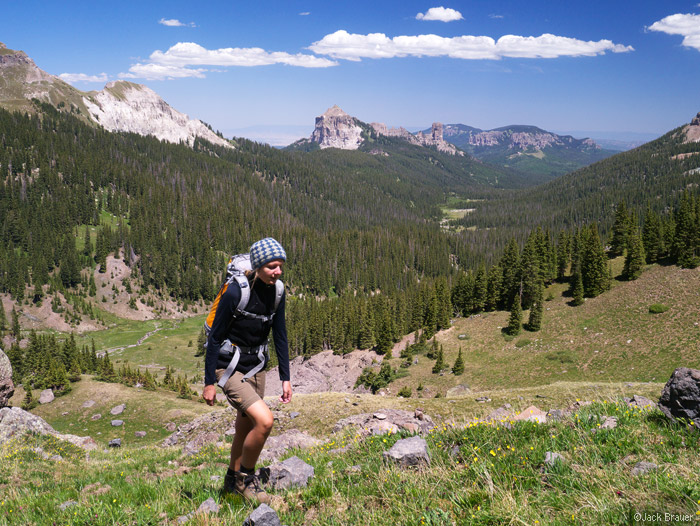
(237, 355)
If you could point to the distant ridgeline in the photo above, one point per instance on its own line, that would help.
(353, 224)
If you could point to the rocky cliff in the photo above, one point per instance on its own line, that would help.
(432, 138)
(337, 129)
(513, 137)
(692, 131)
(125, 106)
(121, 106)
(7, 388)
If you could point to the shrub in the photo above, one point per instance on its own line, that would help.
(657, 308)
(406, 392)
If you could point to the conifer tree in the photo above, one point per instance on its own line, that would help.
(440, 362)
(594, 266)
(3, 320)
(534, 322)
(480, 289)
(458, 367)
(510, 262)
(493, 288)
(563, 255)
(201, 342)
(75, 371)
(577, 288)
(634, 260)
(620, 231)
(433, 351)
(516, 318)
(652, 236)
(366, 338)
(149, 383)
(29, 402)
(16, 330)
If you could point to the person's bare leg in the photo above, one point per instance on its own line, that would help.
(251, 433)
(243, 426)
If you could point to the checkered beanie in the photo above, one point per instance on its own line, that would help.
(264, 251)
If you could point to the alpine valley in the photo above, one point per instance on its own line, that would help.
(503, 293)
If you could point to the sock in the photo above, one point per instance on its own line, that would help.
(230, 473)
(247, 471)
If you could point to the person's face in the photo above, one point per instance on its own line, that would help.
(270, 272)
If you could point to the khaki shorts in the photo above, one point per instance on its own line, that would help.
(241, 395)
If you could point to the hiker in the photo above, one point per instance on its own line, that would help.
(237, 347)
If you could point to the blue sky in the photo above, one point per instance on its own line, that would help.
(266, 69)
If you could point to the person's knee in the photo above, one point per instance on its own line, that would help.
(265, 423)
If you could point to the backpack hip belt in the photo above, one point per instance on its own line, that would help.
(235, 351)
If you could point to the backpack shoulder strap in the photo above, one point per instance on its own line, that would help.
(245, 293)
(279, 292)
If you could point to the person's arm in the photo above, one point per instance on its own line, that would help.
(219, 331)
(279, 335)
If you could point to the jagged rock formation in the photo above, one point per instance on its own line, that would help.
(15, 422)
(324, 372)
(125, 106)
(692, 131)
(7, 388)
(513, 137)
(337, 129)
(121, 106)
(432, 138)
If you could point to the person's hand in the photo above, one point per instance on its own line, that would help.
(209, 394)
(286, 392)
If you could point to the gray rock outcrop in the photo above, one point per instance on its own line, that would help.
(409, 452)
(416, 422)
(337, 129)
(7, 388)
(680, 398)
(640, 468)
(276, 446)
(46, 396)
(263, 515)
(291, 473)
(324, 372)
(15, 422)
(118, 410)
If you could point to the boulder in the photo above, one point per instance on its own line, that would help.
(117, 423)
(641, 402)
(140, 434)
(118, 410)
(412, 422)
(208, 506)
(505, 412)
(7, 388)
(117, 442)
(15, 421)
(610, 422)
(46, 396)
(409, 452)
(680, 398)
(383, 427)
(263, 515)
(96, 416)
(290, 473)
(278, 445)
(87, 404)
(531, 414)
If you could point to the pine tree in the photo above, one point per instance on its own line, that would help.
(433, 351)
(201, 342)
(16, 330)
(620, 231)
(29, 401)
(3, 320)
(652, 236)
(534, 322)
(577, 288)
(634, 260)
(516, 318)
(458, 367)
(440, 362)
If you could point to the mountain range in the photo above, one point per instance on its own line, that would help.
(121, 106)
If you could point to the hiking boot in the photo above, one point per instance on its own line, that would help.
(248, 486)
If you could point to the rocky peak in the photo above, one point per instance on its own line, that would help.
(337, 129)
(126, 106)
(692, 131)
(433, 138)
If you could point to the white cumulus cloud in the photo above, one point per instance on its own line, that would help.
(161, 72)
(305, 13)
(686, 25)
(441, 14)
(348, 46)
(83, 77)
(189, 54)
(174, 22)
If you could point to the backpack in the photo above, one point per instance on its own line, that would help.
(235, 271)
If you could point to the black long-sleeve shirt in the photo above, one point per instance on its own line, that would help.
(247, 332)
